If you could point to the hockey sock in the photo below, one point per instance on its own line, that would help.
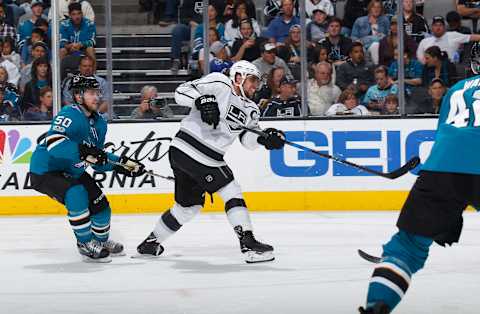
(237, 214)
(403, 256)
(101, 224)
(173, 219)
(76, 201)
(235, 207)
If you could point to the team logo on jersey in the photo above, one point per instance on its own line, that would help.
(237, 118)
(19, 147)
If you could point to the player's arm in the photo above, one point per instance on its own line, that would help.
(59, 141)
(202, 95)
(120, 164)
(273, 139)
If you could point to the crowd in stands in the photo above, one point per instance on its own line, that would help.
(352, 59)
(25, 62)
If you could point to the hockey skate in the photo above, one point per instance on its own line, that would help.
(150, 247)
(254, 251)
(93, 252)
(379, 308)
(115, 248)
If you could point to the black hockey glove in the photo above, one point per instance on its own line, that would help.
(208, 107)
(130, 168)
(92, 155)
(275, 139)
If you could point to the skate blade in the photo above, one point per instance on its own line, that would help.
(104, 260)
(118, 254)
(254, 257)
(145, 256)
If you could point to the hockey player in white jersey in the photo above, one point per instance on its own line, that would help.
(220, 105)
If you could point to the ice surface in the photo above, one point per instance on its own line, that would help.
(317, 268)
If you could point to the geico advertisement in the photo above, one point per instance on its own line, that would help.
(383, 145)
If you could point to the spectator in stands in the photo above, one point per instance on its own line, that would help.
(9, 105)
(11, 10)
(280, 26)
(213, 36)
(43, 110)
(468, 8)
(270, 89)
(288, 103)
(290, 52)
(413, 71)
(273, 8)
(318, 27)
(221, 62)
(243, 10)
(450, 42)
(322, 93)
(370, 29)
(432, 103)
(325, 6)
(77, 34)
(438, 66)
(151, 107)
(391, 105)
(269, 60)
(415, 25)
(6, 30)
(356, 73)
(39, 50)
(347, 105)
(41, 77)
(212, 23)
(9, 53)
(353, 10)
(390, 42)
(12, 70)
(64, 11)
(320, 54)
(454, 21)
(190, 17)
(26, 27)
(87, 68)
(338, 45)
(374, 99)
(37, 36)
(248, 46)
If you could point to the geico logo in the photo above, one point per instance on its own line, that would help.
(385, 150)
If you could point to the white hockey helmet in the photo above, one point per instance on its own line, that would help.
(245, 69)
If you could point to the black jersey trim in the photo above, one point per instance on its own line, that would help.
(199, 146)
(185, 95)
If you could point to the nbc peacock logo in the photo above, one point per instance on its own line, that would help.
(18, 147)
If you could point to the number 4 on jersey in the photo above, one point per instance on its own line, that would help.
(459, 115)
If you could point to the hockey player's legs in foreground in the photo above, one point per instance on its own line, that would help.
(448, 183)
(219, 106)
(74, 142)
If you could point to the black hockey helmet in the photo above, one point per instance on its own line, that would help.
(80, 83)
(475, 58)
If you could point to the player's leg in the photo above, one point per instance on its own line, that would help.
(100, 215)
(403, 256)
(432, 212)
(239, 218)
(74, 196)
(189, 199)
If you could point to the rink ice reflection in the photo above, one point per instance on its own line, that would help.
(317, 269)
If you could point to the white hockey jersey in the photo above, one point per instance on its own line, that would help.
(201, 141)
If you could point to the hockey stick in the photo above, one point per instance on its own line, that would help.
(150, 172)
(411, 164)
(369, 258)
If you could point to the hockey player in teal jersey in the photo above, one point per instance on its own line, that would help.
(448, 182)
(74, 142)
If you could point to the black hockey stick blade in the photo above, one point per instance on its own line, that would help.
(369, 258)
(410, 165)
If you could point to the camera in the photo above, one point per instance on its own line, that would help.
(157, 102)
